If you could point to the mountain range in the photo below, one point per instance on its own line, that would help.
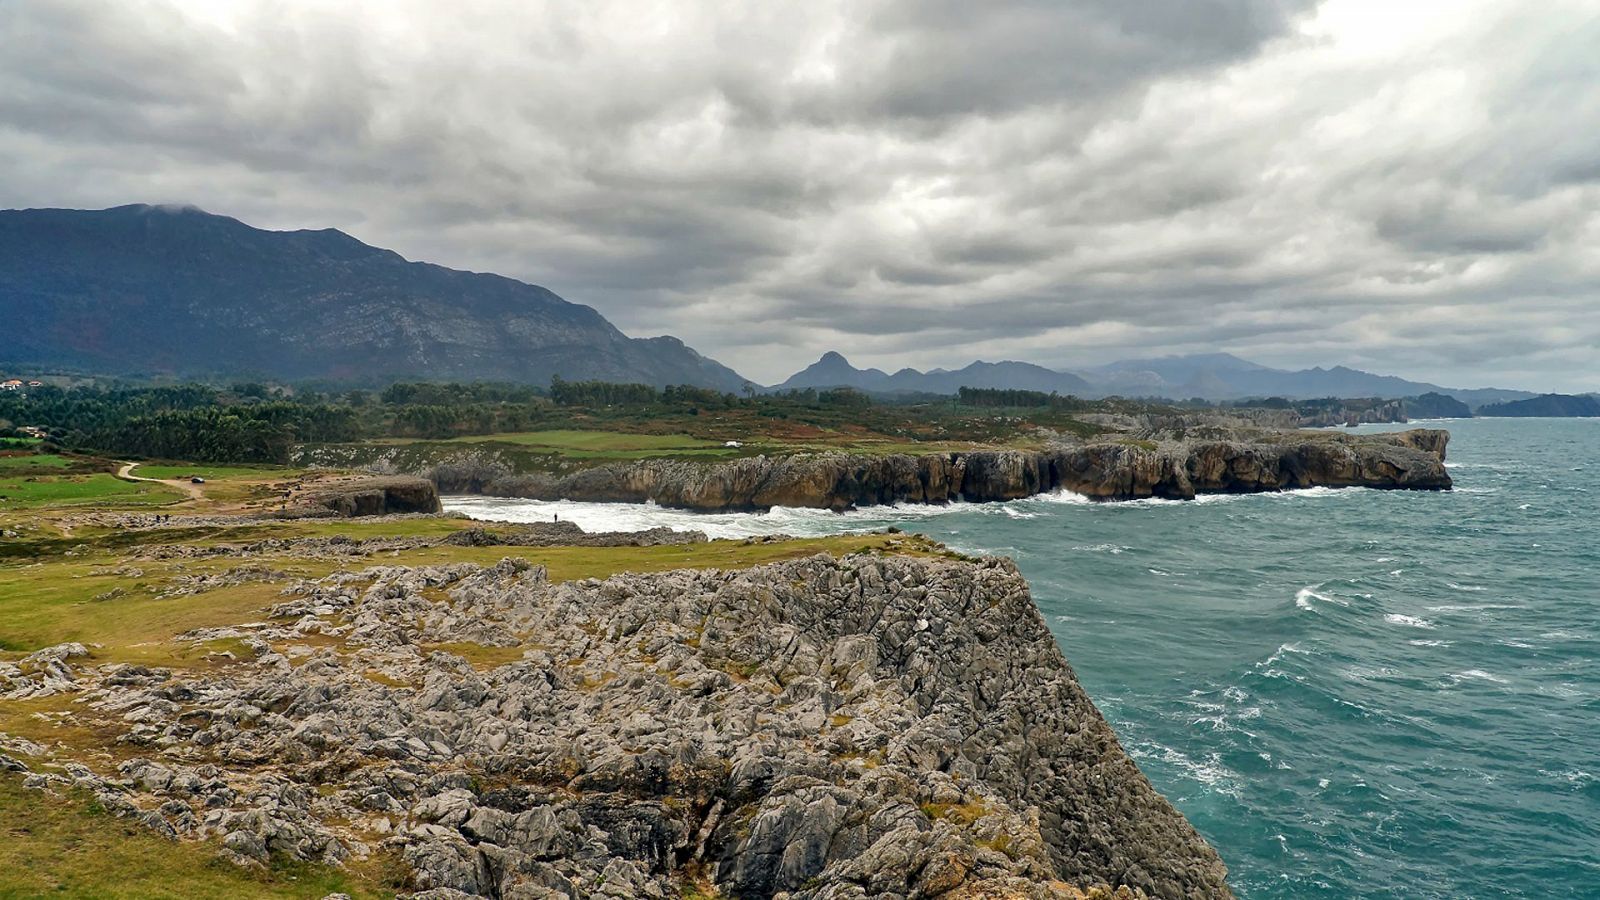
(1209, 376)
(174, 291)
(160, 290)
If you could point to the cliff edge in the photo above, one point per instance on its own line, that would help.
(867, 727)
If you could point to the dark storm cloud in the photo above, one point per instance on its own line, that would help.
(1409, 187)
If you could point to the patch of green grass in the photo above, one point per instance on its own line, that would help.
(596, 441)
(217, 473)
(43, 461)
(68, 846)
(81, 490)
(575, 563)
(19, 443)
(54, 603)
(601, 446)
(481, 656)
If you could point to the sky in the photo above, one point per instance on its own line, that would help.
(1409, 188)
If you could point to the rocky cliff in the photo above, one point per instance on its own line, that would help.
(1113, 470)
(821, 728)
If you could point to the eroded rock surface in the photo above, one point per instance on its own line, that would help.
(821, 728)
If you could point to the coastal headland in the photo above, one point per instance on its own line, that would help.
(1110, 469)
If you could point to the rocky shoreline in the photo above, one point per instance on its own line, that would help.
(1105, 470)
(866, 727)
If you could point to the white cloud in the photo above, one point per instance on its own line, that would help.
(1413, 188)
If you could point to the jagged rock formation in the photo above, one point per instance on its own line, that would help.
(864, 728)
(1350, 413)
(1113, 470)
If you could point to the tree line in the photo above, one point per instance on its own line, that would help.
(254, 423)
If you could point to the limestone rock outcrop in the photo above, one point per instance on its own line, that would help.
(818, 729)
(378, 496)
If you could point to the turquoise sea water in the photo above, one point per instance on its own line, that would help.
(1349, 693)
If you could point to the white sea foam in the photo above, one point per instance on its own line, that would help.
(1278, 654)
(1476, 675)
(1408, 621)
(1210, 772)
(640, 516)
(1303, 598)
(1472, 588)
(1424, 642)
(1063, 496)
(1571, 776)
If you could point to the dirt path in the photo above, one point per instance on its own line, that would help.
(193, 490)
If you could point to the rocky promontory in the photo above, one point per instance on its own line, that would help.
(371, 497)
(1124, 469)
(866, 727)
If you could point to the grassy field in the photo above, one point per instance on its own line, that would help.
(604, 445)
(565, 450)
(216, 473)
(100, 489)
(32, 461)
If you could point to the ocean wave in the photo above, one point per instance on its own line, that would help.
(799, 521)
(1113, 549)
(1572, 776)
(1278, 654)
(1407, 621)
(1209, 771)
(1475, 675)
(1303, 598)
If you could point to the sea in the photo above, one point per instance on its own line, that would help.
(1350, 693)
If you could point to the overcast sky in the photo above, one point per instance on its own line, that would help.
(1408, 187)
